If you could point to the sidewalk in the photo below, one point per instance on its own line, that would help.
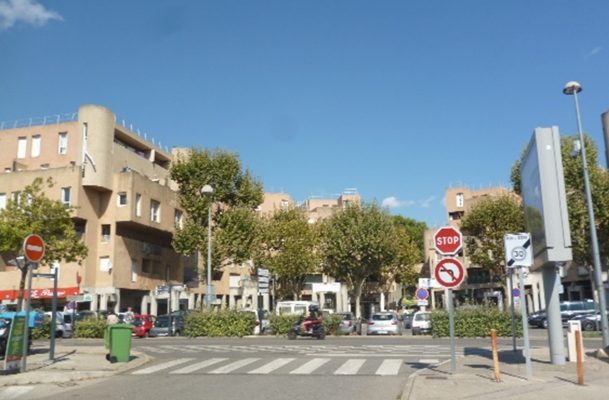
(475, 378)
(72, 363)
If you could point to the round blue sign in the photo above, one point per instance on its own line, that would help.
(516, 292)
(422, 294)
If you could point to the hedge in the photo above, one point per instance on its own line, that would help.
(475, 321)
(43, 331)
(219, 323)
(90, 328)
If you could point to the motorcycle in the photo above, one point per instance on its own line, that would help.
(311, 327)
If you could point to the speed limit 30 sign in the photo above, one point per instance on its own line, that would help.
(518, 250)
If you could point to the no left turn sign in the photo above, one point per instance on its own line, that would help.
(449, 272)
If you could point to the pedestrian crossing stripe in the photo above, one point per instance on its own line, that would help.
(284, 365)
(14, 392)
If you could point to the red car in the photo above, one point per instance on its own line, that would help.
(142, 323)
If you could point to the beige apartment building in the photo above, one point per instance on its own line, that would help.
(124, 209)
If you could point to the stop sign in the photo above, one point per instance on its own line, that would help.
(447, 240)
(33, 248)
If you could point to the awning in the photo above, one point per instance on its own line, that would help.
(46, 293)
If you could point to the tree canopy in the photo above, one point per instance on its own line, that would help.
(289, 249)
(34, 212)
(236, 194)
(484, 228)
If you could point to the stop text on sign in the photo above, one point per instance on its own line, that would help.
(447, 240)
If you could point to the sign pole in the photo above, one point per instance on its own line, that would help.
(53, 316)
(451, 328)
(525, 324)
(26, 332)
(511, 282)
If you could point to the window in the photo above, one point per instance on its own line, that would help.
(65, 196)
(178, 219)
(105, 232)
(36, 146)
(104, 264)
(21, 147)
(138, 204)
(16, 197)
(133, 270)
(460, 200)
(285, 205)
(2, 201)
(62, 147)
(44, 166)
(155, 207)
(122, 199)
(8, 170)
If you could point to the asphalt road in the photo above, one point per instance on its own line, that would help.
(256, 368)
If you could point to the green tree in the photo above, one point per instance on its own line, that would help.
(236, 194)
(289, 249)
(576, 198)
(356, 244)
(415, 230)
(36, 213)
(484, 227)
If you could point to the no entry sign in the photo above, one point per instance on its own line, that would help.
(33, 248)
(447, 240)
(449, 272)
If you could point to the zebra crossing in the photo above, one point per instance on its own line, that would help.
(15, 392)
(335, 350)
(336, 366)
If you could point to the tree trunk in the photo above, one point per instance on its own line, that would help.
(357, 293)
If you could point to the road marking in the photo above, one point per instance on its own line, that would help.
(389, 367)
(152, 349)
(273, 365)
(233, 366)
(198, 366)
(13, 392)
(350, 367)
(162, 366)
(310, 366)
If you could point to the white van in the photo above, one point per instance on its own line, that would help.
(294, 307)
(63, 325)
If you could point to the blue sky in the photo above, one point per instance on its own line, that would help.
(399, 99)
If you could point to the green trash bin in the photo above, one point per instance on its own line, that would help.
(117, 340)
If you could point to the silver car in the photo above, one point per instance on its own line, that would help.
(384, 323)
(347, 324)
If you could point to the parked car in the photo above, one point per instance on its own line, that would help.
(347, 323)
(421, 322)
(63, 329)
(384, 323)
(407, 320)
(167, 325)
(590, 322)
(568, 310)
(142, 324)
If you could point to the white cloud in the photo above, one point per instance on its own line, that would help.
(427, 202)
(394, 202)
(28, 11)
(595, 51)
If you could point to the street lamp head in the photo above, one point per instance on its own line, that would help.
(572, 87)
(207, 190)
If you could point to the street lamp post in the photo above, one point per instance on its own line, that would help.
(207, 190)
(573, 88)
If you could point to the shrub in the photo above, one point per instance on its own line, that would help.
(43, 331)
(475, 322)
(331, 324)
(219, 323)
(282, 324)
(90, 328)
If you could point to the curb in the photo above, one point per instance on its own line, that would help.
(409, 385)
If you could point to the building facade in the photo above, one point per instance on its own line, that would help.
(125, 209)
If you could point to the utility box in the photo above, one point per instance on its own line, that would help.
(571, 343)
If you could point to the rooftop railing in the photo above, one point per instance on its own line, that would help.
(36, 121)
